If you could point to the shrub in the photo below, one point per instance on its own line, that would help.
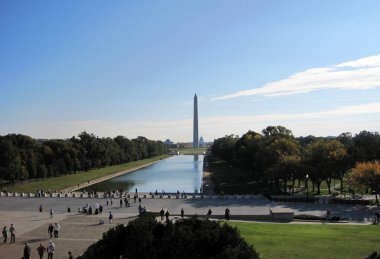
(186, 238)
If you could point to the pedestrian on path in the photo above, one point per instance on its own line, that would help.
(167, 215)
(41, 250)
(51, 230)
(5, 233)
(50, 249)
(51, 213)
(162, 213)
(57, 228)
(27, 251)
(209, 212)
(12, 230)
(182, 213)
(110, 217)
(227, 214)
(70, 255)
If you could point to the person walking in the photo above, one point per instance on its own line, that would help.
(27, 251)
(227, 214)
(41, 250)
(167, 215)
(182, 213)
(50, 249)
(70, 255)
(12, 230)
(209, 212)
(5, 233)
(57, 228)
(51, 213)
(110, 217)
(162, 213)
(51, 230)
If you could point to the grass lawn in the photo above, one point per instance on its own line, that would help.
(228, 179)
(310, 240)
(192, 151)
(61, 182)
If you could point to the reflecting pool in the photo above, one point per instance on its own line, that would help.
(182, 173)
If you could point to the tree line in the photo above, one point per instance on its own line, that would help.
(22, 157)
(278, 160)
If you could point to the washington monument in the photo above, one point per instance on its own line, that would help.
(195, 125)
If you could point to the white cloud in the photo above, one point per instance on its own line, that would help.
(346, 118)
(359, 74)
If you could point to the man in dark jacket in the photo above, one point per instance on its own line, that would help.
(27, 251)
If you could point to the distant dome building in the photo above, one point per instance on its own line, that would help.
(201, 142)
(168, 142)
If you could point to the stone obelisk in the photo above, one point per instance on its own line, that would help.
(195, 123)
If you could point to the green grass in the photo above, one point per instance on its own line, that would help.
(62, 182)
(192, 151)
(230, 180)
(310, 240)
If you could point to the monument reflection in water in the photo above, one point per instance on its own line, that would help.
(183, 173)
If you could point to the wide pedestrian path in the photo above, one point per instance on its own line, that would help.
(78, 231)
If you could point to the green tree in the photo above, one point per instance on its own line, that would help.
(187, 238)
(325, 159)
(224, 147)
(365, 175)
(247, 153)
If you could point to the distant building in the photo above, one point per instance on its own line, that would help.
(168, 142)
(201, 142)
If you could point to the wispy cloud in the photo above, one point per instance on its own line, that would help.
(359, 74)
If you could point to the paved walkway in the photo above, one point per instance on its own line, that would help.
(78, 231)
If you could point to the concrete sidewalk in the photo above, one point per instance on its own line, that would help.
(78, 231)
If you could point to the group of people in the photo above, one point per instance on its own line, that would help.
(54, 229)
(11, 231)
(166, 214)
(41, 249)
(50, 249)
(88, 209)
(126, 202)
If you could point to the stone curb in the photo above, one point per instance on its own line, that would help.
(128, 195)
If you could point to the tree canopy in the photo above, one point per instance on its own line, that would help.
(22, 157)
(186, 238)
(275, 158)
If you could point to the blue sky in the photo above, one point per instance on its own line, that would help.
(132, 68)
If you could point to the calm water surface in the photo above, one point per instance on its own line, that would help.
(183, 173)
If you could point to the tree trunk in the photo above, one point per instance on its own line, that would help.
(319, 187)
(293, 183)
(328, 181)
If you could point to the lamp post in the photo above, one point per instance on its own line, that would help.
(307, 188)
